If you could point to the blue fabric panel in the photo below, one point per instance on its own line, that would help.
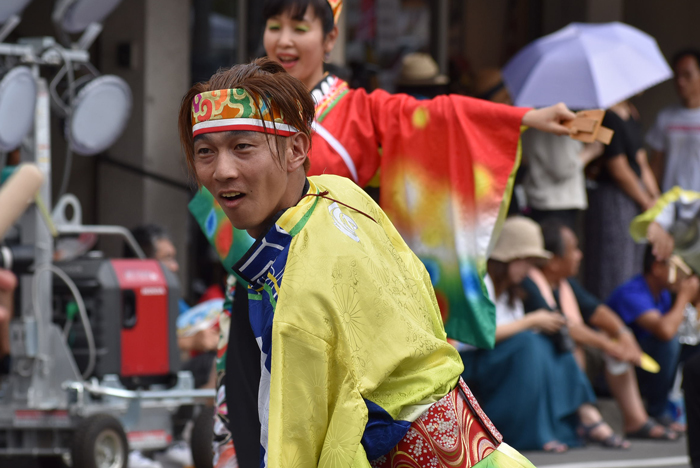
(382, 432)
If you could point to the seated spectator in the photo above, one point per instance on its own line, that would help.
(200, 342)
(553, 287)
(671, 226)
(526, 370)
(645, 304)
(8, 282)
(155, 242)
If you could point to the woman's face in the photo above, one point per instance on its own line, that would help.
(299, 45)
(518, 270)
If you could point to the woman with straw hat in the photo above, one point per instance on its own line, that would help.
(530, 379)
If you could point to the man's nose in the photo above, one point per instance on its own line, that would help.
(226, 168)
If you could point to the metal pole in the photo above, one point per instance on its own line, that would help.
(443, 24)
(242, 24)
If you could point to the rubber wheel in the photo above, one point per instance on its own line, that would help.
(202, 438)
(100, 442)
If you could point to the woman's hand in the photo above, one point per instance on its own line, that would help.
(550, 119)
(546, 321)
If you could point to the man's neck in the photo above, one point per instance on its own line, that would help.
(692, 103)
(553, 278)
(655, 286)
(296, 191)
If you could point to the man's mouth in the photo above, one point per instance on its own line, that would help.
(231, 197)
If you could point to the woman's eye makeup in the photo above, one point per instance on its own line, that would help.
(302, 28)
(273, 25)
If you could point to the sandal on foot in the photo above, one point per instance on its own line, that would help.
(645, 432)
(554, 446)
(611, 441)
(669, 423)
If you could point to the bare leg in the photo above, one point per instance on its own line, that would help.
(599, 430)
(625, 390)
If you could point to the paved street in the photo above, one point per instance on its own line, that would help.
(641, 454)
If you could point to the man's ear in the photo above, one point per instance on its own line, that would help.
(297, 150)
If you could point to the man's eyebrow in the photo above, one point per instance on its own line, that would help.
(229, 133)
(201, 136)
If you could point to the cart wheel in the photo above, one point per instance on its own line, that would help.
(202, 438)
(100, 442)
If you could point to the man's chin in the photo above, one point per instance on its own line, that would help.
(244, 225)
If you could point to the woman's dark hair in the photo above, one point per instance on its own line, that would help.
(264, 78)
(553, 239)
(296, 9)
(498, 271)
(690, 52)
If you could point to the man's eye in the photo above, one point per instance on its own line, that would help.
(204, 151)
(242, 146)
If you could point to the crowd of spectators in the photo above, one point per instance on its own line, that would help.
(560, 332)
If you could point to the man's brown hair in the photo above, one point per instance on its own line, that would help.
(262, 77)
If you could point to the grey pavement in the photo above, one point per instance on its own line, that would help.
(641, 454)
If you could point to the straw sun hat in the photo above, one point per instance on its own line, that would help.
(419, 69)
(520, 238)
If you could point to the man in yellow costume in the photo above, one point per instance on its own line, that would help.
(356, 369)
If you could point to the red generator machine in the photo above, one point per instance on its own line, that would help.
(132, 306)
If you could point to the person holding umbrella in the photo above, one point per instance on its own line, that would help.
(600, 66)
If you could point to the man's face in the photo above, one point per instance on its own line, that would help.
(244, 176)
(687, 79)
(568, 264)
(661, 271)
(166, 253)
(571, 261)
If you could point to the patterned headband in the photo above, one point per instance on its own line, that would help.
(224, 110)
(337, 7)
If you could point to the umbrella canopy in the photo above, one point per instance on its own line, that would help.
(586, 66)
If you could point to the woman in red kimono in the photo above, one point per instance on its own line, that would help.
(444, 167)
(445, 163)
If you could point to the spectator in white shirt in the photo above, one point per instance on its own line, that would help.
(675, 136)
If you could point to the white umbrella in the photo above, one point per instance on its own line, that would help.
(585, 66)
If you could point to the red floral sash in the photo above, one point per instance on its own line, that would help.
(452, 433)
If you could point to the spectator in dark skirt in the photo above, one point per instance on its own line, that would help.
(625, 187)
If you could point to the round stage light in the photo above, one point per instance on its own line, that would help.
(74, 16)
(17, 104)
(11, 7)
(100, 113)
